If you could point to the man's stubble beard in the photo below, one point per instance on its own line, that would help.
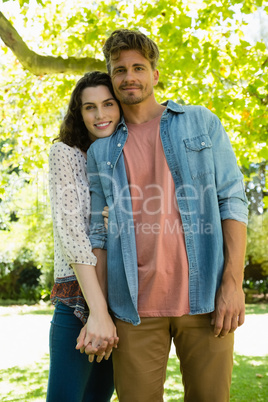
(129, 100)
(132, 99)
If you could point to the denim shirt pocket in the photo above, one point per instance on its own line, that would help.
(199, 155)
(105, 170)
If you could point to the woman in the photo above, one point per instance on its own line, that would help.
(93, 112)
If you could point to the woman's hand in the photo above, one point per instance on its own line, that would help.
(105, 213)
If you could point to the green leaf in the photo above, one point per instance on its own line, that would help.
(265, 202)
(185, 21)
(263, 153)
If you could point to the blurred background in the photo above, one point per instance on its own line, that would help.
(212, 53)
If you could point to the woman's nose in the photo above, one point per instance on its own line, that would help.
(99, 113)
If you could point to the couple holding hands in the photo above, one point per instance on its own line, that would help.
(130, 284)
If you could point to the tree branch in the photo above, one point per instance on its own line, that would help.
(41, 65)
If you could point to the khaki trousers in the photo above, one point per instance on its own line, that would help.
(140, 360)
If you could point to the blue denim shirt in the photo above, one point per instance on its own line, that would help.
(209, 188)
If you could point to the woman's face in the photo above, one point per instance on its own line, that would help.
(100, 111)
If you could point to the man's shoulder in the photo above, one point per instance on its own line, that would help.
(102, 147)
(187, 108)
(99, 143)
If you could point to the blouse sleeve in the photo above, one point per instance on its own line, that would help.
(70, 204)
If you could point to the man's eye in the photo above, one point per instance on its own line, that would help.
(119, 71)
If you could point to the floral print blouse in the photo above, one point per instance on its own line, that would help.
(70, 207)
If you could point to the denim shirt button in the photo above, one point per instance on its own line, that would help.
(112, 166)
(124, 128)
(108, 163)
(119, 145)
(203, 143)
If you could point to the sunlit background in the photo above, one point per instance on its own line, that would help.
(212, 53)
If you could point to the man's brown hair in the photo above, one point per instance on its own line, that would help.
(125, 39)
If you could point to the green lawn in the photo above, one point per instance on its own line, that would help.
(250, 381)
(249, 384)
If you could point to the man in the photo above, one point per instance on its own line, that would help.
(176, 233)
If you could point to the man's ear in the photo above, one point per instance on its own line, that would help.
(156, 77)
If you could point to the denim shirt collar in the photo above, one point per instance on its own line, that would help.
(170, 106)
(174, 107)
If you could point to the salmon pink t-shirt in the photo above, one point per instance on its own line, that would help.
(162, 260)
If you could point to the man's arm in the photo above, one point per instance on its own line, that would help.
(230, 299)
(101, 270)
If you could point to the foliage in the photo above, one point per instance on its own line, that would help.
(257, 248)
(255, 183)
(206, 57)
(19, 279)
(249, 381)
(28, 200)
(256, 269)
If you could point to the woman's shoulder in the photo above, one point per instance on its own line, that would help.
(59, 148)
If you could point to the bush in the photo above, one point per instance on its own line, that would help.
(20, 278)
(255, 290)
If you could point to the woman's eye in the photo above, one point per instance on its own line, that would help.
(109, 104)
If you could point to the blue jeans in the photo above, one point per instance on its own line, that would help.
(71, 377)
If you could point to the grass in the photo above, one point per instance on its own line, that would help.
(29, 383)
(9, 306)
(249, 380)
(257, 308)
(249, 384)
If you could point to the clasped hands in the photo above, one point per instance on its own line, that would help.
(100, 345)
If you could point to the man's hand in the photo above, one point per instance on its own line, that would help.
(94, 339)
(230, 299)
(105, 213)
(229, 309)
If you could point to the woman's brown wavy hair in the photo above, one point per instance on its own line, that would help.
(73, 131)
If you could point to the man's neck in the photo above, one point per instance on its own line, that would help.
(141, 113)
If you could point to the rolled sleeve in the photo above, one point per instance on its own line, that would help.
(233, 203)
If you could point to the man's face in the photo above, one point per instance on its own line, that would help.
(132, 77)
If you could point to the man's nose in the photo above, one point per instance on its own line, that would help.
(129, 76)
